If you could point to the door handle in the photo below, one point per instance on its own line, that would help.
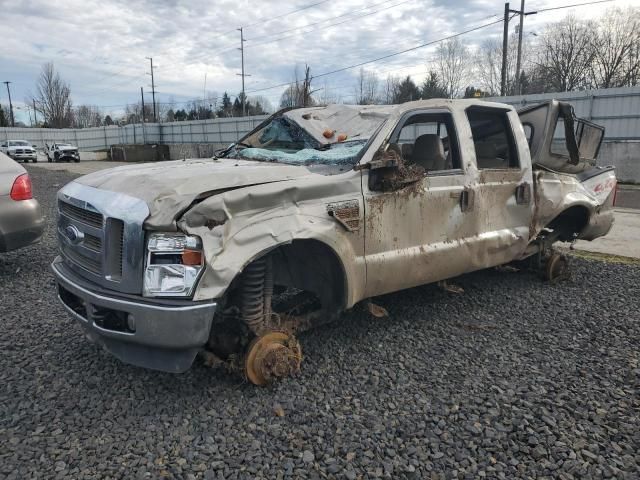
(466, 199)
(523, 194)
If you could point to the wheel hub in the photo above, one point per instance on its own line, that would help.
(272, 355)
(557, 267)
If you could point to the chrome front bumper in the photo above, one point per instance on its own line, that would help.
(161, 335)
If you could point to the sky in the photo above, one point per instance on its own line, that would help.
(99, 47)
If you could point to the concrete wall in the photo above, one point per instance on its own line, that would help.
(625, 156)
(139, 153)
(194, 150)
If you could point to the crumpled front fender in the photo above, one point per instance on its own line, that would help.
(229, 248)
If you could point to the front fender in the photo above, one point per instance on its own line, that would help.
(230, 248)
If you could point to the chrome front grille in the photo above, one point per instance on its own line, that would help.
(82, 215)
(92, 265)
(101, 236)
(92, 243)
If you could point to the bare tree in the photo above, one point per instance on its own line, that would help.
(452, 65)
(262, 101)
(87, 116)
(53, 98)
(488, 64)
(299, 93)
(566, 53)
(616, 62)
(366, 89)
(133, 112)
(390, 89)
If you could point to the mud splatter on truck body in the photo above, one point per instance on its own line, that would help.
(320, 208)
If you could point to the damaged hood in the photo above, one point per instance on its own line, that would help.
(169, 188)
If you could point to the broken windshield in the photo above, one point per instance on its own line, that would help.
(283, 141)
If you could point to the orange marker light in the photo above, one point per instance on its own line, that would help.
(328, 133)
(192, 257)
(342, 137)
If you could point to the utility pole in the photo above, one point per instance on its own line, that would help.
(505, 47)
(153, 91)
(242, 40)
(13, 123)
(519, 58)
(35, 115)
(142, 95)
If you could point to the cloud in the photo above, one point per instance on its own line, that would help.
(99, 46)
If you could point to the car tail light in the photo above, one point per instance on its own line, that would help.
(22, 189)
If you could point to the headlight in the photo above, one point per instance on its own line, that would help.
(174, 263)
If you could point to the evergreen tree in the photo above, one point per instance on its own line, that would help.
(226, 107)
(432, 87)
(407, 91)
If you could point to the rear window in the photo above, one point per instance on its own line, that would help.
(492, 137)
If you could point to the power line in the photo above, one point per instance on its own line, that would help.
(574, 5)
(285, 14)
(351, 12)
(349, 67)
(331, 25)
(229, 47)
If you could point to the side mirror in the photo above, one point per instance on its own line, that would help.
(390, 173)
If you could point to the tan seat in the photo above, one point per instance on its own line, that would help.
(487, 156)
(428, 152)
(407, 151)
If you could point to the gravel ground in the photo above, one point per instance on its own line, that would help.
(513, 378)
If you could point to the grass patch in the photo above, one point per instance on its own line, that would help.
(604, 257)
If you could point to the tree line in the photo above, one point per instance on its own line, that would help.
(570, 54)
(54, 106)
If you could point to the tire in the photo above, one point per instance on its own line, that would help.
(77, 160)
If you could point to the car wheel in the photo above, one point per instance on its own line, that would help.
(77, 160)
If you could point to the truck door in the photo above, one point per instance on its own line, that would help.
(417, 225)
(504, 188)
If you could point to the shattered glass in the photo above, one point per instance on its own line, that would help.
(283, 141)
(339, 154)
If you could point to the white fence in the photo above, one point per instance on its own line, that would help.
(618, 109)
(218, 130)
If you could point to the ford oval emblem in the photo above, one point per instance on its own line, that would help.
(74, 235)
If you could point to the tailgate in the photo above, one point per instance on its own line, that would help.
(601, 183)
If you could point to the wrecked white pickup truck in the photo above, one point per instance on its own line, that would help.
(315, 210)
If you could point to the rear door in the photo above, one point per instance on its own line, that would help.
(504, 189)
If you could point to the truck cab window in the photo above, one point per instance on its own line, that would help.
(492, 138)
(428, 140)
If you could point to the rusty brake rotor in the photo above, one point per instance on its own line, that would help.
(272, 355)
